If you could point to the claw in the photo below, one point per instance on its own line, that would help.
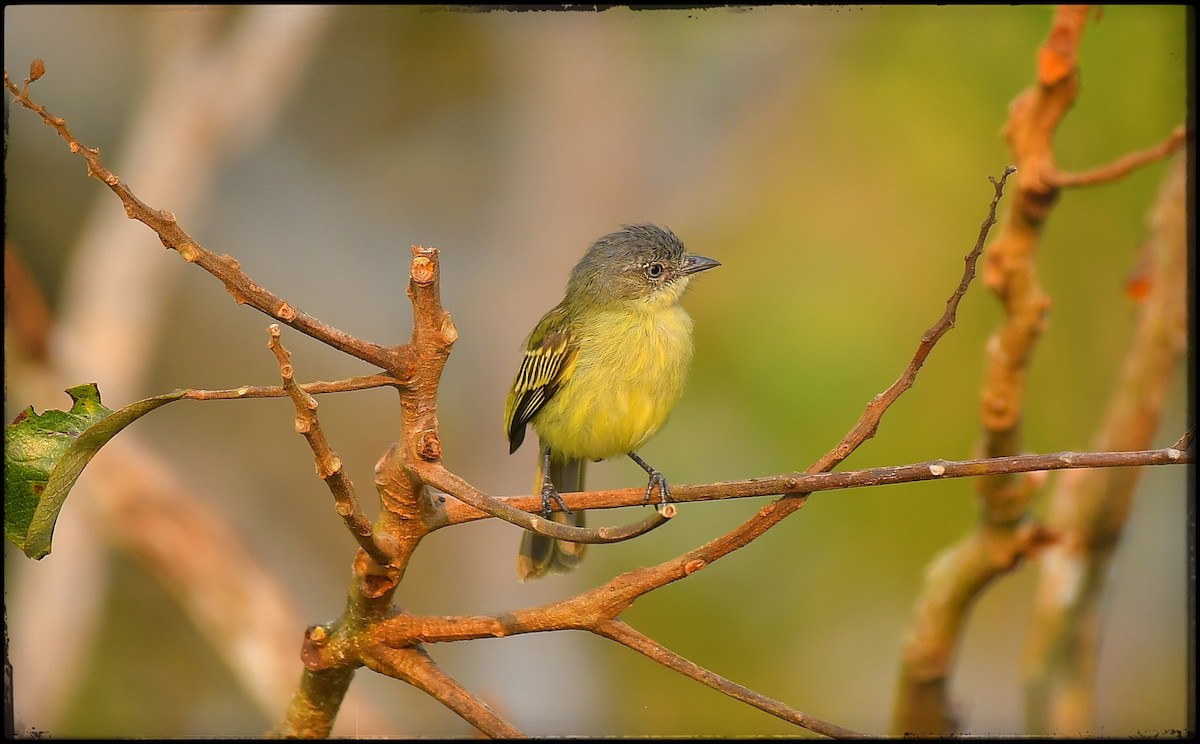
(664, 488)
(656, 479)
(548, 490)
(548, 493)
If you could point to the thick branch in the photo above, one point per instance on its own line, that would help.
(315, 704)
(1006, 534)
(963, 571)
(1090, 509)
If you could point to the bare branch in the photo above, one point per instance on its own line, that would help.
(1185, 442)
(962, 572)
(1124, 165)
(795, 484)
(440, 478)
(868, 423)
(1090, 509)
(395, 360)
(413, 665)
(315, 704)
(364, 382)
(329, 465)
(621, 633)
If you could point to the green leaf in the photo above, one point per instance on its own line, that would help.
(45, 453)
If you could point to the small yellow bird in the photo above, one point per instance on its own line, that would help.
(602, 371)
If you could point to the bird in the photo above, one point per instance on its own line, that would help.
(601, 372)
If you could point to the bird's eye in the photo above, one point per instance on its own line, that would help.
(654, 270)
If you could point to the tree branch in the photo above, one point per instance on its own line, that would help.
(1125, 165)
(329, 465)
(364, 382)
(621, 633)
(438, 477)
(1090, 509)
(314, 706)
(373, 633)
(413, 665)
(961, 572)
(1008, 533)
(797, 484)
(396, 360)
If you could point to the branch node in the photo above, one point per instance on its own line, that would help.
(422, 268)
(316, 638)
(449, 332)
(331, 467)
(429, 447)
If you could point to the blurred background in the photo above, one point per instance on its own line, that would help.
(834, 159)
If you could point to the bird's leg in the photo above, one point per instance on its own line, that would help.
(548, 490)
(656, 479)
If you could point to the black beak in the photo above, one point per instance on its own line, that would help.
(695, 264)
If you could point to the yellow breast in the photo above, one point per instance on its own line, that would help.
(628, 375)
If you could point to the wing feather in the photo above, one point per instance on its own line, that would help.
(548, 360)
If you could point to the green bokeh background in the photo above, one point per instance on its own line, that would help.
(834, 159)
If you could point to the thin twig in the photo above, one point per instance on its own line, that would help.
(625, 635)
(364, 382)
(868, 423)
(395, 360)
(1124, 165)
(440, 478)
(801, 483)
(329, 465)
(1184, 443)
(413, 665)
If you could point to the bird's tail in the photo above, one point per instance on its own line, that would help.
(540, 554)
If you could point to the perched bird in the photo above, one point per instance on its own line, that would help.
(602, 371)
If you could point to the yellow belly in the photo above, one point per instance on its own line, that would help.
(628, 375)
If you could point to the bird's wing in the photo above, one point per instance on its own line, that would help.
(548, 361)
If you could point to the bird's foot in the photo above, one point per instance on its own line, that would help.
(664, 488)
(656, 479)
(550, 493)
